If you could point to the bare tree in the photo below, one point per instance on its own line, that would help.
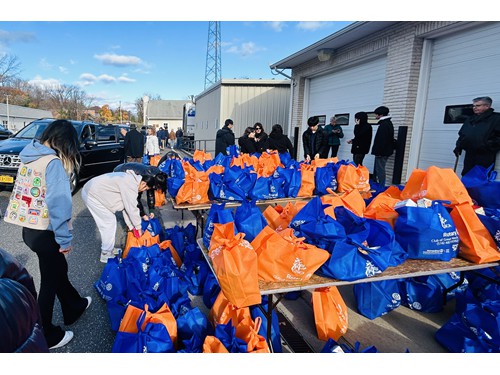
(10, 68)
(69, 101)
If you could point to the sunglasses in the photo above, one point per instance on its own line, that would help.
(258, 128)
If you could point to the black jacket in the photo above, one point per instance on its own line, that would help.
(262, 141)
(247, 145)
(320, 143)
(280, 143)
(20, 319)
(480, 133)
(223, 139)
(362, 139)
(134, 144)
(383, 144)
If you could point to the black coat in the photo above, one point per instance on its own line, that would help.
(320, 143)
(383, 144)
(134, 144)
(362, 139)
(280, 143)
(21, 325)
(480, 133)
(262, 141)
(223, 139)
(247, 145)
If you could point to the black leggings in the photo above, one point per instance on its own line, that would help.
(54, 281)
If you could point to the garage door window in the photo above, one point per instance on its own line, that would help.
(456, 114)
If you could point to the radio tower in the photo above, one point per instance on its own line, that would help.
(213, 65)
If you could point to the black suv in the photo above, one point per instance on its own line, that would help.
(4, 132)
(101, 149)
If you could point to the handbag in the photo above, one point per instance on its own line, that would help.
(271, 187)
(235, 264)
(382, 206)
(482, 186)
(491, 221)
(192, 328)
(217, 214)
(436, 184)
(330, 313)
(248, 219)
(154, 160)
(146, 239)
(285, 258)
(326, 178)
(377, 298)
(351, 200)
(350, 177)
(307, 181)
(427, 233)
(476, 243)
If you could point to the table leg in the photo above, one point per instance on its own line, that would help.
(269, 317)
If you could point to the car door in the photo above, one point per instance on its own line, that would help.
(101, 150)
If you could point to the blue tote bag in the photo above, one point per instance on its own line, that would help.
(315, 225)
(377, 234)
(292, 178)
(491, 220)
(377, 298)
(271, 187)
(192, 328)
(482, 187)
(248, 218)
(427, 233)
(217, 214)
(256, 311)
(326, 178)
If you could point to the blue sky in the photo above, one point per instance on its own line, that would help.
(117, 52)
(120, 61)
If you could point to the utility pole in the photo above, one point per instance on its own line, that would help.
(121, 122)
(8, 116)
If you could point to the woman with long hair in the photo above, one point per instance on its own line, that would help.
(247, 141)
(279, 141)
(41, 203)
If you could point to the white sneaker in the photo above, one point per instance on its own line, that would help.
(68, 336)
(117, 251)
(106, 256)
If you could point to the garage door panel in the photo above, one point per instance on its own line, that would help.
(463, 66)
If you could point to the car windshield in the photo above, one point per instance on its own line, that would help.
(33, 130)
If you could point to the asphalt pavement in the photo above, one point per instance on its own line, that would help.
(400, 330)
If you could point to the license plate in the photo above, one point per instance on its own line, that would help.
(7, 179)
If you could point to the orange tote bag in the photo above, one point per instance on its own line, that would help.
(235, 265)
(145, 240)
(330, 313)
(222, 311)
(350, 177)
(476, 243)
(213, 345)
(307, 183)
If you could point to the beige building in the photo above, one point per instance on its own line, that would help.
(245, 101)
(165, 113)
(427, 73)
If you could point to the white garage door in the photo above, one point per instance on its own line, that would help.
(463, 66)
(359, 88)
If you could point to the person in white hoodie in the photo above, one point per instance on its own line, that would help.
(106, 194)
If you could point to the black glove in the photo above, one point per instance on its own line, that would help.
(457, 151)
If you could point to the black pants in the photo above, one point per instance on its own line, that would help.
(335, 150)
(54, 282)
(485, 159)
(358, 159)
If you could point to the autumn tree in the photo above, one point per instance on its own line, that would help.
(106, 114)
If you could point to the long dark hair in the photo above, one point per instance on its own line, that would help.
(249, 130)
(362, 117)
(61, 136)
(276, 130)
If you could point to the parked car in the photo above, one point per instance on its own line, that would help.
(101, 149)
(5, 133)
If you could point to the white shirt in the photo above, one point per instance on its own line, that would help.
(152, 147)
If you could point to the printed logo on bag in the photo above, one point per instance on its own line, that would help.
(298, 267)
(444, 222)
(416, 306)
(109, 287)
(371, 269)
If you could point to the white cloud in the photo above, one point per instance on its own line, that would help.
(277, 25)
(87, 79)
(106, 78)
(244, 49)
(126, 79)
(44, 63)
(312, 25)
(63, 70)
(45, 82)
(7, 37)
(118, 60)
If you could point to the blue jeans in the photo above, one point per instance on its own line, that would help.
(379, 169)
